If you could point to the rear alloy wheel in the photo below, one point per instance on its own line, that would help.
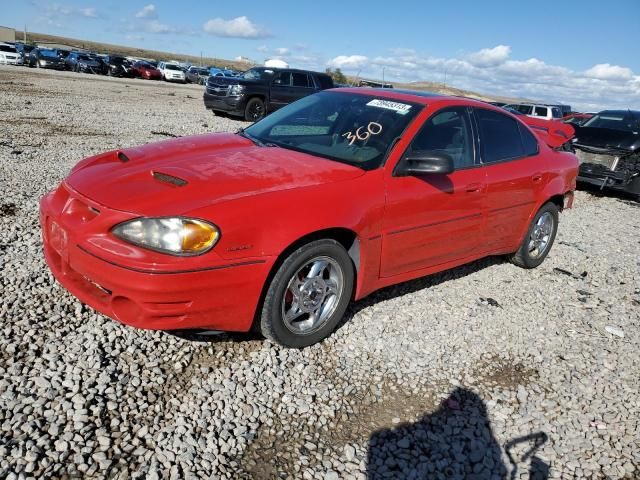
(254, 110)
(539, 238)
(308, 295)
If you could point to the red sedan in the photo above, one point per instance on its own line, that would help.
(280, 225)
(146, 71)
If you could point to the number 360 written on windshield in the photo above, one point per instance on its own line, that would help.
(362, 133)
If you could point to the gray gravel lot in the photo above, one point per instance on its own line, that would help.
(459, 375)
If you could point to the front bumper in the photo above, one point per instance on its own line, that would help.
(222, 296)
(52, 65)
(602, 177)
(231, 105)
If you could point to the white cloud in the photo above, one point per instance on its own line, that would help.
(490, 57)
(262, 49)
(156, 27)
(604, 71)
(148, 11)
(282, 51)
(348, 61)
(88, 12)
(491, 71)
(58, 10)
(239, 27)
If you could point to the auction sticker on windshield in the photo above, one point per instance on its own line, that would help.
(401, 108)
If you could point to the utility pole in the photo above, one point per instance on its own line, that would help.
(382, 74)
(24, 39)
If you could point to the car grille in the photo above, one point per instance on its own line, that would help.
(608, 161)
(217, 90)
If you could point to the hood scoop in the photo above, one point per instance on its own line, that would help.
(122, 157)
(170, 179)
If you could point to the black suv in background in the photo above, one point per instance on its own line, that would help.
(261, 90)
(117, 66)
(84, 62)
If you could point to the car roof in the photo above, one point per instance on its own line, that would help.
(635, 113)
(416, 96)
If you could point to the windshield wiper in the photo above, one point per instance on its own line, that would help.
(243, 133)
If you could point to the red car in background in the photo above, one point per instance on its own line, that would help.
(146, 71)
(279, 226)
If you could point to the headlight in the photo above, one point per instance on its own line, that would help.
(236, 89)
(83, 65)
(172, 235)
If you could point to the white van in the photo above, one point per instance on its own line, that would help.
(544, 112)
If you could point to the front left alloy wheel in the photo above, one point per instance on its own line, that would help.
(308, 295)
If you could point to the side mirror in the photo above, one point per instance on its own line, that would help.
(423, 162)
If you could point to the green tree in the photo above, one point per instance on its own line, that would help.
(336, 75)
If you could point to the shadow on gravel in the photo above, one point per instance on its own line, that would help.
(454, 442)
(624, 197)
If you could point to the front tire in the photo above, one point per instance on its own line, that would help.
(539, 238)
(308, 295)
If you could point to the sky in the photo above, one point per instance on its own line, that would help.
(580, 52)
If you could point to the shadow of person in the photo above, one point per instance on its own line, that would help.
(454, 442)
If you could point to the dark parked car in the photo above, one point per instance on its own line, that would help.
(83, 62)
(197, 75)
(608, 147)
(261, 90)
(117, 66)
(45, 58)
(23, 52)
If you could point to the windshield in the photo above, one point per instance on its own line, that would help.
(118, 60)
(48, 53)
(7, 48)
(200, 71)
(84, 57)
(345, 127)
(253, 74)
(624, 121)
(170, 66)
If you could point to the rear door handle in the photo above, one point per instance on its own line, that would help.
(537, 178)
(473, 187)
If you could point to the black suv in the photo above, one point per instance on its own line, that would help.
(261, 90)
(117, 66)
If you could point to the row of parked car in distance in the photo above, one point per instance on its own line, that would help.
(112, 65)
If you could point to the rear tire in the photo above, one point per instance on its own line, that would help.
(539, 238)
(308, 294)
(254, 110)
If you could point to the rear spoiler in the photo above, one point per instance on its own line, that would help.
(552, 132)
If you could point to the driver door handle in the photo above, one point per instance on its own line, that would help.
(473, 188)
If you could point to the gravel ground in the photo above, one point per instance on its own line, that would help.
(485, 371)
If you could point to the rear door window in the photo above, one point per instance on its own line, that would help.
(499, 136)
(282, 79)
(540, 112)
(300, 80)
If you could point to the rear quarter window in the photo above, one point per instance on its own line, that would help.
(529, 142)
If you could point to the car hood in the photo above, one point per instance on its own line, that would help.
(178, 176)
(607, 138)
